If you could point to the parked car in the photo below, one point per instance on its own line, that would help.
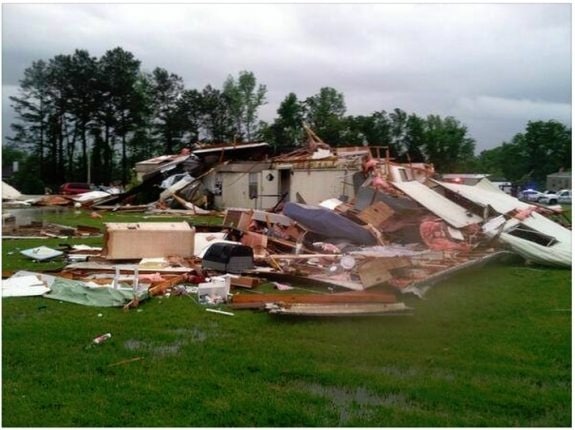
(546, 193)
(530, 195)
(71, 188)
(563, 196)
(112, 189)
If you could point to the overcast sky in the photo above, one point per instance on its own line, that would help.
(494, 67)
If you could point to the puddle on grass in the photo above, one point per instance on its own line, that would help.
(188, 335)
(399, 372)
(356, 404)
(133, 344)
(193, 334)
(169, 349)
(405, 373)
(26, 216)
(159, 350)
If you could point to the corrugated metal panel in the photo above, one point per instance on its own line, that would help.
(450, 212)
(501, 202)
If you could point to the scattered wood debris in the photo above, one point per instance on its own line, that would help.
(399, 231)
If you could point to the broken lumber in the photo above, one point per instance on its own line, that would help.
(244, 301)
(162, 287)
(245, 282)
(302, 256)
(338, 310)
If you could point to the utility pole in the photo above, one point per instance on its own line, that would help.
(89, 178)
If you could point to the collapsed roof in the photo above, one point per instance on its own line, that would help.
(401, 228)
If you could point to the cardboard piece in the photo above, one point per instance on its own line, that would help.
(258, 242)
(241, 218)
(377, 271)
(376, 214)
(238, 218)
(148, 240)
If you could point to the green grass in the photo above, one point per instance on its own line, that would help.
(487, 348)
(12, 260)
(81, 217)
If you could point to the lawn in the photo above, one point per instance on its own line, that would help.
(487, 348)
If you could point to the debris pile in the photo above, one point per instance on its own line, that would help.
(400, 231)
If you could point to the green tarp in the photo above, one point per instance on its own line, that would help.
(77, 292)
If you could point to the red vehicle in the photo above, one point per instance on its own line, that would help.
(70, 188)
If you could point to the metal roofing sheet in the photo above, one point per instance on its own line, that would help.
(501, 202)
(450, 212)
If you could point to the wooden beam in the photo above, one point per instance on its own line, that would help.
(256, 301)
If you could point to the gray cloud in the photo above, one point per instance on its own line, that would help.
(492, 66)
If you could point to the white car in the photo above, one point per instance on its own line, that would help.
(530, 195)
(563, 196)
(545, 194)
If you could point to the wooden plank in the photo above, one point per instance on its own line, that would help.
(162, 287)
(88, 229)
(245, 282)
(7, 273)
(308, 280)
(295, 231)
(302, 256)
(242, 299)
(291, 245)
(339, 310)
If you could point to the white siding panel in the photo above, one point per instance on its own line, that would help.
(316, 186)
(235, 191)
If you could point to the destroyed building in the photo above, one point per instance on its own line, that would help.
(351, 221)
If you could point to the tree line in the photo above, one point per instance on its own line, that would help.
(82, 118)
